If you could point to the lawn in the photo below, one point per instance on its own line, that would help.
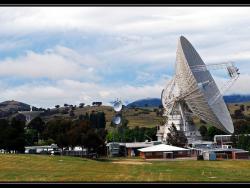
(42, 168)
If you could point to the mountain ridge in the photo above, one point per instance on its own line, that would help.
(10, 107)
(155, 102)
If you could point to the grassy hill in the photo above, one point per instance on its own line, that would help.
(235, 106)
(8, 108)
(42, 168)
(142, 117)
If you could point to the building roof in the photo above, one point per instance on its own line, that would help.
(135, 144)
(139, 144)
(162, 147)
(202, 142)
(224, 149)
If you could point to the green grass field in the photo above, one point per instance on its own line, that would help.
(41, 168)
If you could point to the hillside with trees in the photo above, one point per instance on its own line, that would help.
(64, 123)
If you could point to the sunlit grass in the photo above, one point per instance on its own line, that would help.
(41, 168)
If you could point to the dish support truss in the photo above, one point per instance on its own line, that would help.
(233, 73)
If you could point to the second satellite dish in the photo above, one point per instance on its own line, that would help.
(118, 105)
(117, 119)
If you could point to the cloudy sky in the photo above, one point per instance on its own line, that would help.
(57, 55)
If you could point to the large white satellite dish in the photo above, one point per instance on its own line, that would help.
(193, 89)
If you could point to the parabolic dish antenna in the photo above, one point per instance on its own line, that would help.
(117, 105)
(194, 88)
(117, 119)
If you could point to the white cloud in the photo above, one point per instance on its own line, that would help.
(144, 38)
(11, 45)
(137, 20)
(74, 92)
(241, 86)
(56, 63)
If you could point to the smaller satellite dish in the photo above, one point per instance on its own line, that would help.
(117, 119)
(118, 105)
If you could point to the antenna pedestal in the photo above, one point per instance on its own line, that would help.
(182, 122)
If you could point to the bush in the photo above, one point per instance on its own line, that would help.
(200, 157)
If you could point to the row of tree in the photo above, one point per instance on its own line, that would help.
(69, 133)
(87, 131)
(137, 134)
(12, 135)
(209, 133)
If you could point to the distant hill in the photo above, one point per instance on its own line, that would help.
(141, 117)
(149, 102)
(155, 102)
(236, 98)
(8, 108)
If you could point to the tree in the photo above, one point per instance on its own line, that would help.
(76, 132)
(238, 114)
(175, 137)
(31, 137)
(81, 105)
(150, 133)
(241, 127)
(93, 119)
(71, 113)
(57, 129)
(65, 111)
(87, 136)
(212, 131)
(38, 125)
(248, 107)
(242, 107)
(244, 142)
(92, 140)
(203, 132)
(16, 135)
(4, 126)
(96, 103)
(101, 120)
(81, 117)
(86, 117)
(110, 136)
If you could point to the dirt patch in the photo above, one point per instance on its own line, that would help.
(131, 162)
